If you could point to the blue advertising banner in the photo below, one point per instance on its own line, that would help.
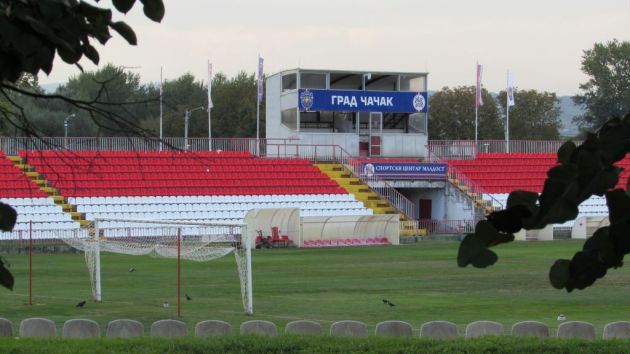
(362, 101)
(389, 170)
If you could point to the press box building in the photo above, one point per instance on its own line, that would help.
(369, 114)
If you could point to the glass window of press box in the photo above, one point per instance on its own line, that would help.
(312, 81)
(289, 82)
(413, 83)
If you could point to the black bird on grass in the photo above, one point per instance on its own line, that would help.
(81, 304)
(387, 302)
(188, 297)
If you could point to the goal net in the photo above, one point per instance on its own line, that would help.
(170, 239)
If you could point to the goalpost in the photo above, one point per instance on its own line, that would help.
(170, 239)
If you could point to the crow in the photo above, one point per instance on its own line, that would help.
(132, 269)
(188, 297)
(387, 302)
(81, 304)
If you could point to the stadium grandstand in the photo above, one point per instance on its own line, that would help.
(348, 150)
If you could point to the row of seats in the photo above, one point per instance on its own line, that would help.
(371, 241)
(14, 183)
(85, 328)
(206, 199)
(173, 167)
(146, 176)
(209, 207)
(172, 191)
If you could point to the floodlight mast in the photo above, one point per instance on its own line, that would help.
(186, 120)
(65, 127)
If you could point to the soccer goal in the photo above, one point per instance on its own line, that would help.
(170, 239)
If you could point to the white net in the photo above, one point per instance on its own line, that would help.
(168, 239)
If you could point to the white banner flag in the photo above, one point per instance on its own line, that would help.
(478, 99)
(210, 105)
(510, 90)
(260, 77)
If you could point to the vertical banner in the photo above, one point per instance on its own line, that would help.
(478, 99)
(510, 89)
(260, 77)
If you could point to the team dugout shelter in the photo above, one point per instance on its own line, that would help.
(367, 113)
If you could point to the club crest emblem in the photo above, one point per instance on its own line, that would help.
(306, 99)
(419, 102)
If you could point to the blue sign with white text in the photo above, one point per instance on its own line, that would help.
(399, 170)
(362, 101)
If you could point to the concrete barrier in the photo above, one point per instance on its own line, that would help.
(349, 328)
(168, 328)
(212, 328)
(124, 328)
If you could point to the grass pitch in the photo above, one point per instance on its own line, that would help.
(325, 285)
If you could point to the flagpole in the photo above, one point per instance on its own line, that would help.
(161, 111)
(209, 106)
(507, 114)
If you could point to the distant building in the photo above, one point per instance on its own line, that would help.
(367, 113)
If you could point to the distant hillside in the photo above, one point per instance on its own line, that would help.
(569, 110)
(50, 88)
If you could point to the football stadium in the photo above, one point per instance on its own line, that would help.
(344, 220)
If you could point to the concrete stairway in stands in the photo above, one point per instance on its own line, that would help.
(44, 185)
(477, 199)
(372, 200)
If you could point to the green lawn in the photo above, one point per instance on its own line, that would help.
(325, 285)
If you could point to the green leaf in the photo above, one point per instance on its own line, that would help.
(91, 53)
(153, 9)
(125, 31)
(472, 251)
(123, 5)
(8, 216)
(603, 244)
(565, 152)
(618, 203)
(489, 235)
(6, 278)
(559, 273)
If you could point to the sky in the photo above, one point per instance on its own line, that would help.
(540, 41)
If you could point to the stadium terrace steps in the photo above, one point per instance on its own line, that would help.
(370, 199)
(44, 185)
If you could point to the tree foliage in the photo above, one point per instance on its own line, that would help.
(582, 171)
(452, 115)
(607, 92)
(33, 32)
(535, 116)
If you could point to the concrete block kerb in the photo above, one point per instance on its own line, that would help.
(439, 330)
(576, 329)
(6, 328)
(212, 328)
(168, 328)
(619, 329)
(394, 328)
(349, 328)
(259, 327)
(483, 328)
(530, 328)
(81, 328)
(304, 327)
(124, 328)
(37, 327)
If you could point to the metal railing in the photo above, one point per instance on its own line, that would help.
(447, 227)
(11, 145)
(475, 192)
(335, 153)
(467, 149)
